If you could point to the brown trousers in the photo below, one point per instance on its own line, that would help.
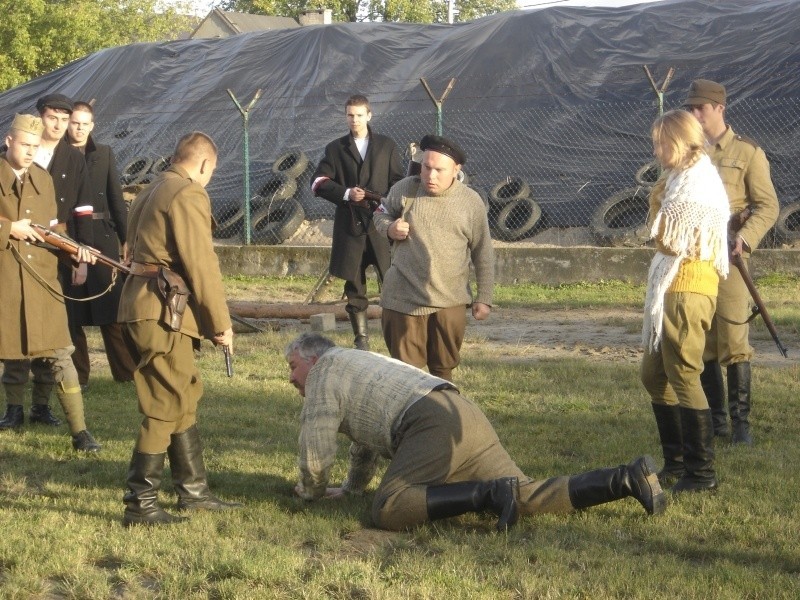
(432, 340)
(167, 383)
(727, 343)
(671, 375)
(445, 438)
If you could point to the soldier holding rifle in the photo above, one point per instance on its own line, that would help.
(169, 234)
(744, 170)
(31, 307)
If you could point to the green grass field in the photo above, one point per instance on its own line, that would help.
(60, 513)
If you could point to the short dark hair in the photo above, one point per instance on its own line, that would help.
(194, 145)
(83, 107)
(309, 345)
(357, 100)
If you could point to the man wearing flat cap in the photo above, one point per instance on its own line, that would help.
(360, 161)
(34, 319)
(439, 227)
(67, 168)
(744, 170)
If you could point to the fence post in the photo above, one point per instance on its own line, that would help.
(438, 103)
(245, 119)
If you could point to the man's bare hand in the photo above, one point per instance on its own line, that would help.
(84, 255)
(480, 311)
(225, 339)
(399, 230)
(738, 246)
(22, 230)
(356, 194)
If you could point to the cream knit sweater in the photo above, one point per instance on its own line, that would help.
(431, 269)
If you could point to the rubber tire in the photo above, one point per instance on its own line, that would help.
(278, 187)
(514, 188)
(787, 227)
(135, 171)
(621, 221)
(648, 174)
(230, 222)
(160, 164)
(291, 164)
(277, 222)
(503, 219)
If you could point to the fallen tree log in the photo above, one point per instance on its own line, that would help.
(283, 310)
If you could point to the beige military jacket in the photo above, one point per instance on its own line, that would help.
(744, 170)
(170, 225)
(33, 319)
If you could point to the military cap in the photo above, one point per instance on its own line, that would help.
(56, 101)
(444, 146)
(28, 124)
(703, 91)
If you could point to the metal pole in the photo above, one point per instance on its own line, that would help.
(245, 112)
(438, 103)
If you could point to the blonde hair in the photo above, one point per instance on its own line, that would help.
(678, 139)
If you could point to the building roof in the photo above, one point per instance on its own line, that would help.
(219, 24)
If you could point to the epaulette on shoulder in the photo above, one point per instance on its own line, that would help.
(747, 140)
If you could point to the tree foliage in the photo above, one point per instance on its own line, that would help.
(410, 11)
(41, 35)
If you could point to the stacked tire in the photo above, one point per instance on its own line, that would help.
(621, 220)
(513, 213)
(275, 209)
(787, 227)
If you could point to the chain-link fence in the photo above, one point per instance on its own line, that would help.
(549, 175)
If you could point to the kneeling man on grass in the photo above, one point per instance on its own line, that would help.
(446, 459)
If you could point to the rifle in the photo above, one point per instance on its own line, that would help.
(70, 246)
(736, 222)
(373, 199)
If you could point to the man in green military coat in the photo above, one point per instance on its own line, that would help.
(31, 308)
(169, 230)
(744, 170)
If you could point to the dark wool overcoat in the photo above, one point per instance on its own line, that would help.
(377, 172)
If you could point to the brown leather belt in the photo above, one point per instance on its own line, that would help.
(144, 270)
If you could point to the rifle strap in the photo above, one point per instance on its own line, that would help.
(60, 294)
(754, 314)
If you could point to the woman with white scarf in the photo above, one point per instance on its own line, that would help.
(689, 211)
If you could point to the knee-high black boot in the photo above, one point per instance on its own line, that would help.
(141, 499)
(668, 421)
(637, 479)
(714, 388)
(499, 496)
(359, 322)
(739, 402)
(189, 473)
(698, 452)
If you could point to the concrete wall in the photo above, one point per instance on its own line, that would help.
(549, 266)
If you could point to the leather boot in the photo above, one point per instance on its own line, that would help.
(358, 320)
(15, 397)
(14, 417)
(40, 407)
(698, 452)
(739, 402)
(637, 479)
(141, 499)
(668, 421)
(83, 441)
(498, 496)
(714, 388)
(189, 473)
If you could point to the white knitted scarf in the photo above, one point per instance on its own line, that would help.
(694, 217)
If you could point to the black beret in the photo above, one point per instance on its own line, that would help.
(56, 101)
(444, 146)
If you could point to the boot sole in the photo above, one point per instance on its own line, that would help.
(658, 499)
